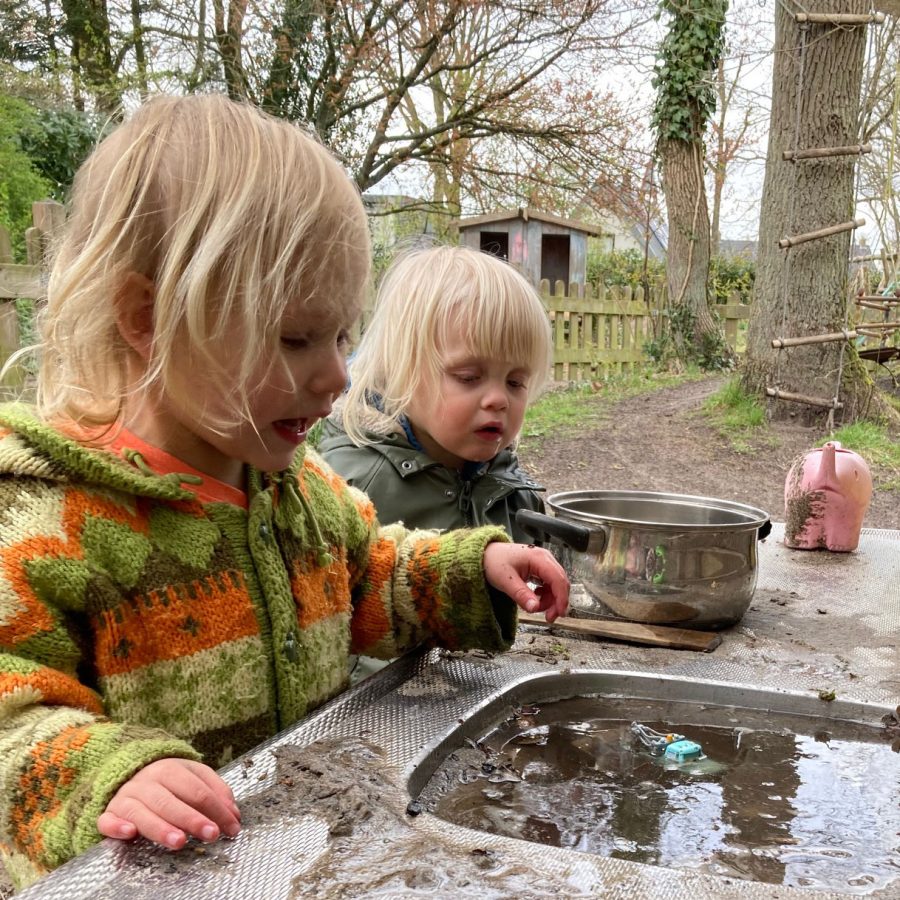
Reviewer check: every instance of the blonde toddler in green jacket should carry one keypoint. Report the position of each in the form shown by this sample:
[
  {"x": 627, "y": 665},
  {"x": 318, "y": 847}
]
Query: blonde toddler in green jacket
[{"x": 179, "y": 577}]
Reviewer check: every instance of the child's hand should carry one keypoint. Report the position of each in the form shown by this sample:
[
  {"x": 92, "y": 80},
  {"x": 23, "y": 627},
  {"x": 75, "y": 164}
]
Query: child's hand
[
  {"x": 169, "y": 800},
  {"x": 507, "y": 567}
]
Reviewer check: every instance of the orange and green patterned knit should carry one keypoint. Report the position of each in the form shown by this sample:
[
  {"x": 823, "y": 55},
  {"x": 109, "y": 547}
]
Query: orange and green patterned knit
[{"x": 137, "y": 622}]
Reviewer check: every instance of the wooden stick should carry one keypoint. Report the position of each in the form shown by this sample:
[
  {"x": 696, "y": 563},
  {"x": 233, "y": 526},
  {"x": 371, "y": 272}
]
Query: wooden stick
[
  {"x": 784, "y": 243},
  {"x": 840, "y": 18},
  {"x": 802, "y": 398},
  {"x": 874, "y": 257},
  {"x": 779, "y": 343},
  {"x": 868, "y": 304},
  {"x": 822, "y": 152},
  {"x": 880, "y": 298},
  {"x": 883, "y": 326},
  {"x": 865, "y": 332},
  {"x": 633, "y": 632}
]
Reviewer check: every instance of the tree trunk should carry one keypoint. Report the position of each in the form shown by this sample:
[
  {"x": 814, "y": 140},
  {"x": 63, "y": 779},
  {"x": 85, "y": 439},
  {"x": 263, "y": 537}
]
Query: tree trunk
[
  {"x": 803, "y": 290},
  {"x": 694, "y": 331},
  {"x": 87, "y": 25}
]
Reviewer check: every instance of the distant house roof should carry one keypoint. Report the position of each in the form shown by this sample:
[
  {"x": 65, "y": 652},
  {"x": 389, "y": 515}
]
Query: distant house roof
[{"x": 526, "y": 213}]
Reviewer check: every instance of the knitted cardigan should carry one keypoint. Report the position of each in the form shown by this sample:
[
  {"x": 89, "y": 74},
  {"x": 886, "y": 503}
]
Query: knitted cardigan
[{"x": 138, "y": 623}]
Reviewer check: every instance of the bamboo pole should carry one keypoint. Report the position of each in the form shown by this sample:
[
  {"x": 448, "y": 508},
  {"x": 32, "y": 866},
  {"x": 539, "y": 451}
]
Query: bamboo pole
[
  {"x": 880, "y": 298},
  {"x": 840, "y": 18},
  {"x": 865, "y": 331},
  {"x": 787, "y": 242},
  {"x": 779, "y": 343},
  {"x": 823, "y": 152},
  {"x": 802, "y": 398}
]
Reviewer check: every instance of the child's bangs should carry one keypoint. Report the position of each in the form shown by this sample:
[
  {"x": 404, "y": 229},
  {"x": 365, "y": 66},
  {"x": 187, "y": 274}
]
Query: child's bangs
[{"x": 503, "y": 322}]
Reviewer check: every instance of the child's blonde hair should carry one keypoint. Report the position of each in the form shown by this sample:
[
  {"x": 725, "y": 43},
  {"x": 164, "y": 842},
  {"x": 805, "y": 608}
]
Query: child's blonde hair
[
  {"x": 430, "y": 301},
  {"x": 231, "y": 214}
]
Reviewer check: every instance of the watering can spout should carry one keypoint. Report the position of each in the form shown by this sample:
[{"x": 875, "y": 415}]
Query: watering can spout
[{"x": 828, "y": 469}]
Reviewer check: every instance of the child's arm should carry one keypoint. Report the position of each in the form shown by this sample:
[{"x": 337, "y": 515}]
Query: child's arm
[{"x": 410, "y": 587}]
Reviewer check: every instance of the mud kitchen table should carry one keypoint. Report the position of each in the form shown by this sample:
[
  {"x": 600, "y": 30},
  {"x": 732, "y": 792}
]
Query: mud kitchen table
[{"x": 819, "y": 622}]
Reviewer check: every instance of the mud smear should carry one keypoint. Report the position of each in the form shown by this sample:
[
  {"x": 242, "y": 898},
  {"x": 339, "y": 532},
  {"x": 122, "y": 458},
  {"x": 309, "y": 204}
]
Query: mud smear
[
  {"x": 783, "y": 800},
  {"x": 374, "y": 847}
]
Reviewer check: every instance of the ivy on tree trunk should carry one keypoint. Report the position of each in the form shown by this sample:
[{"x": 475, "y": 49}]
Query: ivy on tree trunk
[{"x": 685, "y": 84}]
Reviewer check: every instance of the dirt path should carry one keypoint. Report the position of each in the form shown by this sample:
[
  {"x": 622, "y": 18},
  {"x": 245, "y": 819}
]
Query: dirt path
[{"x": 663, "y": 442}]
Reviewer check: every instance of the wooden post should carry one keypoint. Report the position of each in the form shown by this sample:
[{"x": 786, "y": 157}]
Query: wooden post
[
  {"x": 5, "y": 246},
  {"x": 787, "y": 242}
]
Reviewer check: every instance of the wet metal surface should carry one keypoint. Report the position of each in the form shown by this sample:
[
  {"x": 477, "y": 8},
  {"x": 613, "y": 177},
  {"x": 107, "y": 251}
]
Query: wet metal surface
[
  {"x": 819, "y": 625},
  {"x": 784, "y": 799}
]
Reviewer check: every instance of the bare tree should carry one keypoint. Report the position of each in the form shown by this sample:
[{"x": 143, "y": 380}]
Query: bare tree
[
  {"x": 801, "y": 290},
  {"x": 688, "y": 61},
  {"x": 391, "y": 83},
  {"x": 879, "y": 177}
]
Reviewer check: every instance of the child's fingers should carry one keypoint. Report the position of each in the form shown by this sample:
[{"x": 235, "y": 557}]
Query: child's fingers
[
  {"x": 219, "y": 788},
  {"x": 508, "y": 567},
  {"x": 112, "y": 826},
  {"x": 170, "y": 799},
  {"x": 553, "y": 593}
]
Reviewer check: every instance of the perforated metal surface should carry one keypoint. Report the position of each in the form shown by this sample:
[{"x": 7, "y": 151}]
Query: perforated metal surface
[{"x": 818, "y": 621}]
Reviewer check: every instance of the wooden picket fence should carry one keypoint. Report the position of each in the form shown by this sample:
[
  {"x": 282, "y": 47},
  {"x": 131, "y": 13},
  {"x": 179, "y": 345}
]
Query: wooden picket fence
[
  {"x": 595, "y": 334},
  {"x": 600, "y": 333}
]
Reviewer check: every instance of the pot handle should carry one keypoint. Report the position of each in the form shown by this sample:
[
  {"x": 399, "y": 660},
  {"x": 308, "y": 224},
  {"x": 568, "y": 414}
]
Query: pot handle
[
  {"x": 764, "y": 530},
  {"x": 540, "y": 527}
]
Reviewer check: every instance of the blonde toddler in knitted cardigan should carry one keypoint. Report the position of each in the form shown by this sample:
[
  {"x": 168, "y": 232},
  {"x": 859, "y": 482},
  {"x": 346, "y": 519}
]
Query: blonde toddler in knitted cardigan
[{"x": 180, "y": 577}]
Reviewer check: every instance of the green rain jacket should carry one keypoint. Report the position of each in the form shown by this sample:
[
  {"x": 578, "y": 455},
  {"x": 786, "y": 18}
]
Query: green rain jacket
[{"x": 406, "y": 485}]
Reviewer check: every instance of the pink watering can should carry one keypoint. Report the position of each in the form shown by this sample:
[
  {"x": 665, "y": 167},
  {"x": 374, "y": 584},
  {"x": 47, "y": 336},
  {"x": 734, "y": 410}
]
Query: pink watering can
[{"x": 826, "y": 494}]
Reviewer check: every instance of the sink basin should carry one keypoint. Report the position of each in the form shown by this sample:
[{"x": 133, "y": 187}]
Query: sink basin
[{"x": 783, "y": 788}]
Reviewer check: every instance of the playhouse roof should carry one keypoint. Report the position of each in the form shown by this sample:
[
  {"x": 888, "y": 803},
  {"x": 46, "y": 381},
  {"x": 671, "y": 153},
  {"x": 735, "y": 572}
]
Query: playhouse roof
[{"x": 525, "y": 214}]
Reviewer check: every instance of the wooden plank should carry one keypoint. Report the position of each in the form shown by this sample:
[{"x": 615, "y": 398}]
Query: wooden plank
[
  {"x": 630, "y": 632},
  {"x": 21, "y": 281}
]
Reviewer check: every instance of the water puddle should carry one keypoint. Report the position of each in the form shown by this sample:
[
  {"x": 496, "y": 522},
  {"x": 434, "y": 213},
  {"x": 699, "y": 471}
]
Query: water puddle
[{"x": 778, "y": 799}]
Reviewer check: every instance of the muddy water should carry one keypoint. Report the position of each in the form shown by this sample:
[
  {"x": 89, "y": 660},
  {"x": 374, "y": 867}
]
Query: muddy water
[{"x": 792, "y": 801}]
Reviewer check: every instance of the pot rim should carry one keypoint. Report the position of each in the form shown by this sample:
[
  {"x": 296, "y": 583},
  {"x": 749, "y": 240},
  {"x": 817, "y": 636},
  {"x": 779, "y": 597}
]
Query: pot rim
[{"x": 747, "y": 518}]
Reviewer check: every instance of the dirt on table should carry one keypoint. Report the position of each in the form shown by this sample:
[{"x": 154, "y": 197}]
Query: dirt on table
[{"x": 663, "y": 441}]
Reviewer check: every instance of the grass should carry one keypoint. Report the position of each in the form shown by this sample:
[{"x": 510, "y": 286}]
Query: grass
[
  {"x": 579, "y": 406},
  {"x": 876, "y": 446},
  {"x": 737, "y": 416}
]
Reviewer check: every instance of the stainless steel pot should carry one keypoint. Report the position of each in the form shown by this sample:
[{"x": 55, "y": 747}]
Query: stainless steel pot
[{"x": 658, "y": 558}]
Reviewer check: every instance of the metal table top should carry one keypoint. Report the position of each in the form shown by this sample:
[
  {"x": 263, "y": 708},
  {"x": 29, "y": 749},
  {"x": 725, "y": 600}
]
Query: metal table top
[{"x": 818, "y": 621}]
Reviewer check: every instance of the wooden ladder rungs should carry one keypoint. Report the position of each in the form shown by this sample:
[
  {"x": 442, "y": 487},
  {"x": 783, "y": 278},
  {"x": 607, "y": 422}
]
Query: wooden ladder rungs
[
  {"x": 822, "y": 152},
  {"x": 802, "y": 398},
  {"x": 876, "y": 18},
  {"x": 780, "y": 343},
  {"x": 874, "y": 257},
  {"x": 869, "y": 304},
  {"x": 865, "y": 331},
  {"x": 880, "y": 298},
  {"x": 881, "y": 326},
  {"x": 787, "y": 242}
]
